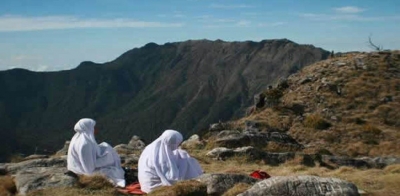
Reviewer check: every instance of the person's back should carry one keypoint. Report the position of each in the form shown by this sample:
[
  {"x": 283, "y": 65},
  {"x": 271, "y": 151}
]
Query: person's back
[
  {"x": 86, "y": 157},
  {"x": 160, "y": 166}
]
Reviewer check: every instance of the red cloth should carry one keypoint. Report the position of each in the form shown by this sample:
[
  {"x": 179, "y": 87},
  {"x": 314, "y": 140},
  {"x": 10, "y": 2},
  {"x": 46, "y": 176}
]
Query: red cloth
[
  {"x": 132, "y": 189},
  {"x": 260, "y": 174}
]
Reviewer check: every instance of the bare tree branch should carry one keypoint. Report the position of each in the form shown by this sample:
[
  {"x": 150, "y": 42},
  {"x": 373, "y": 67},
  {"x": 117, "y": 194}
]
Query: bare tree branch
[{"x": 373, "y": 46}]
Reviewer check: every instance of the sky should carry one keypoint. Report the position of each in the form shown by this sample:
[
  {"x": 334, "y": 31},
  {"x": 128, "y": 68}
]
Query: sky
[{"x": 53, "y": 35}]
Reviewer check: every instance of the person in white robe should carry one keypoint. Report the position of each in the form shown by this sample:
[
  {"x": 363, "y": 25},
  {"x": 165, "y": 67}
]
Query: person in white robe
[
  {"x": 87, "y": 157},
  {"x": 162, "y": 163}
]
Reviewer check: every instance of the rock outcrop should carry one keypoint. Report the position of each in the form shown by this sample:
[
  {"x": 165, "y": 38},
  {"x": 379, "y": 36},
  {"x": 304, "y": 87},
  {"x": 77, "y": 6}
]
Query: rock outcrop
[
  {"x": 217, "y": 184},
  {"x": 39, "y": 174},
  {"x": 301, "y": 186}
]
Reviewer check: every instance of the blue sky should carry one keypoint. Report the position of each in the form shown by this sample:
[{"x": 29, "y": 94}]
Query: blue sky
[{"x": 54, "y": 35}]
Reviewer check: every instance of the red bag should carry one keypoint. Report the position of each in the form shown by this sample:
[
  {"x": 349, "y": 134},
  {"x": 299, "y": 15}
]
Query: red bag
[{"x": 260, "y": 174}]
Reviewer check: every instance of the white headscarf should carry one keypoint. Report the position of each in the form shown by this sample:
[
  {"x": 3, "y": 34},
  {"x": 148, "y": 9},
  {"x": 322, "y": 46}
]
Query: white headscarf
[
  {"x": 158, "y": 164},
  {"x": 85, "y": 156},
  {"x": 83, "y": 148}
]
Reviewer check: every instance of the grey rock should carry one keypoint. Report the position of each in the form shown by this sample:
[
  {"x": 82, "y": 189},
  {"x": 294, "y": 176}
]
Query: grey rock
[
  {"x": 217, "y": 126},
  {"x": 124, "y": 149},
  {"x": 277, "y": 158},
  {"x": 3, "y": 169},
  {"x": 228, "y": 134},
  {"x": 234, "y": 139},
  {"x": 36, "y": 156},
  {"x": 346, "y": 161},
  {"x": 255, "y": 154},
  {"x": 339, "y": 63},
  {"x": 305, "y": 80},
  {"x": 136, "y": 143},
  {"x": 380, "y": 162},
  {"x": 130, "y": 159},
  {"x": 217, "y": 184},
  {"x": 42, "y": 178},
  {"x": 301, "y": 186},
  {"x": 13, "y": 168},
  {"x": 193, "y": 142},
  {"x": 64, "y": 150},
  {"x": 220, "y": 152}
]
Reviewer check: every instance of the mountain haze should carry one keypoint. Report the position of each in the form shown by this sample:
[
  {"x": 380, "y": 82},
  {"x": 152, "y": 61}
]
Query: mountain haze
[{"x": 183, "y": 85}]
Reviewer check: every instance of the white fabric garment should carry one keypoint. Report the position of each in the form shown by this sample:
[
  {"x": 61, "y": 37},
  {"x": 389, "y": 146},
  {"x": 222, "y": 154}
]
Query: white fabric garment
[
  {"x": 159, "y": 166},
  {"x": 85, "y": 156},
  {"x": 188, "y": 167}
]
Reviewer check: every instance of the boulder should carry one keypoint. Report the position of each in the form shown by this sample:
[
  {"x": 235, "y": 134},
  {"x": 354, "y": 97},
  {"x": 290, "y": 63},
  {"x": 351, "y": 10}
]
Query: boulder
[
  {"x": 42, "y": 178},
  {"x": 64, "y": 150},
  {"x": 381, "y": 162},
  {"x": 124, "y": 149},
  {"x": 13, "y": 168},
  {"x": 40, "y": 174},
  {"x": 220, "y": 152},
  {"x": 277, "y": 158},
  {"x": 346, "y": 161},
  {"x": 36, "y": 156},
  {"x": 136, "y": 143},
  {"x": 193, "y": 142},
  {"x": 217, "y": 184},
  {"x": 3, "y": 169},
  {"x": 234, "y": 139},
  {"x": 300, "y": 186}
]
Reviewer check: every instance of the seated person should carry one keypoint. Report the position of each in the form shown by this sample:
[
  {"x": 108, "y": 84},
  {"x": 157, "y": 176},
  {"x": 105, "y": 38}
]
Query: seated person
[
  {"x": 87, "y": 157},
  {"x": 162, "y": 163}
]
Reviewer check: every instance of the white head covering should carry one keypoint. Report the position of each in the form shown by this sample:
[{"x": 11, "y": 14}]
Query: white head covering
[
  {"x": 158, "y": 162},
  {"x": 164, "y": 159},
  {"x": 82, "y": 160},
  {"x": 85, "y": 156}
]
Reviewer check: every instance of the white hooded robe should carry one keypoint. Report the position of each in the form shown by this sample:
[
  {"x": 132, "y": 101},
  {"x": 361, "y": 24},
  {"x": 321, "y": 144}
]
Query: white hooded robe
[
  {"x": 162, "y": 163},
  {"x": 86, "y": 157}
]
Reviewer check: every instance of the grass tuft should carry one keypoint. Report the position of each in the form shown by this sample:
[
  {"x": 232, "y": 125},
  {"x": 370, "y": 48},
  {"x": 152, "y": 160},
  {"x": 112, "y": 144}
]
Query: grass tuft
[
  {"x": 316, "y": 122},
  {"x": 95, "y": 182},
  {"x": 182, "y": 188},
  {"x": 7, "y": 186},
  {"x": 237, "y": 189}
]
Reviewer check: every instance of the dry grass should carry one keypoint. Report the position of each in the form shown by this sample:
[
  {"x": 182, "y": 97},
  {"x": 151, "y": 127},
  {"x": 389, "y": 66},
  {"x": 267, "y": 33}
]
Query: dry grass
[
  {"x": 316, "y": 122},
  {"x": 74, "y": 191},
  {"x": 237, "y": 189},
  {"x": 95, "y": 182},
  {"x": 7, "y": 186},
  {"x": 183, "y": 188},
  {"x": 373, "y": 181}
]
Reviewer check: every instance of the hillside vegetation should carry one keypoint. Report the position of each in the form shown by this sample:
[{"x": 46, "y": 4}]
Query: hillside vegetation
[{"x": 348, "y": 105}]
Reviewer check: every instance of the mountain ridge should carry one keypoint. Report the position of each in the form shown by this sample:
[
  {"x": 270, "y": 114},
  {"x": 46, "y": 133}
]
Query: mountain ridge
[{"x": 180, "y": 85}]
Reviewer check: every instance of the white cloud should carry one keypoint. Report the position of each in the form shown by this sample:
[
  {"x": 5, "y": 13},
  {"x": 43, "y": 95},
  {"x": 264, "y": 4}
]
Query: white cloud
[
  {"x": 243, "y": 23},
  {"x": 238, "y": 6},
  {"x": 42, "y": 68},
  {"x": 273, "y": 24},
  {"x": 22, "y": 57},
  {"x": 21, "y": 23},
  {"x": 347, "y": 17},
  {"x": 349, "y": 10}
]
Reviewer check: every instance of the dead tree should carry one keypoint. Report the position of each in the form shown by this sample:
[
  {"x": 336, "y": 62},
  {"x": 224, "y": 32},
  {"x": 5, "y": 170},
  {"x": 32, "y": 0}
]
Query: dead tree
[{"x": 373, "y": 46}]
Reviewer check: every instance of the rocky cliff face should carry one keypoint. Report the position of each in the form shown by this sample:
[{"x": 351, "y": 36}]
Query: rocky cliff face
[{"x": 183, "y": 86}]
